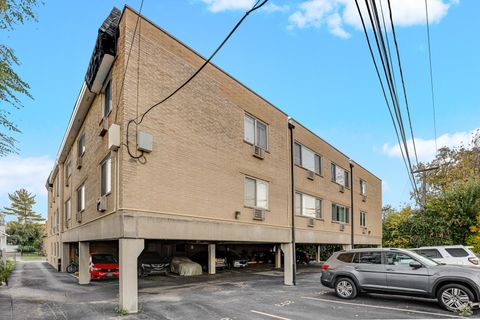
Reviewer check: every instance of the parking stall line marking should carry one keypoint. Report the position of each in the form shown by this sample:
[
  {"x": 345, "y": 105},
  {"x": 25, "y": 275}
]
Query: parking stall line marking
[
  {"x": 269, "y": 315},
  {"x": 381, "y": 307}
]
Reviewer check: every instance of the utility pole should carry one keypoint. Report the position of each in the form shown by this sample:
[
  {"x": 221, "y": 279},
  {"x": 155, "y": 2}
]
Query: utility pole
[
  {"x": 424, "y": 181},
  {"x": 291, "y": 127}
]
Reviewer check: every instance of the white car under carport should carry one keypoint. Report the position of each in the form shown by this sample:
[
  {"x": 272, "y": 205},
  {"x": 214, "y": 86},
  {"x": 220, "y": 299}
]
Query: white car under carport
[{"x": 185, "y": 267}]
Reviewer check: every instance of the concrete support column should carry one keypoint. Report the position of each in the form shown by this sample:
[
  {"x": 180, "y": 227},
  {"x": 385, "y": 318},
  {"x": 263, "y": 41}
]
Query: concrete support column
[
  {"x": 65, "y": 256},
  {"x": 129, "y": 250},
  {"x": 211, "y": 259},
  {"x": 278, "y": 258},
  {"x": 317, "y": 256},
  {"x": 288, "y": 259},
  {"x": 347, "y": 247},
  {"x": 83, "y": 262}
]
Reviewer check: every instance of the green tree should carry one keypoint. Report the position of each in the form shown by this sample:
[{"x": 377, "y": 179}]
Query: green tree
[
  {"x": 22, "y": 203},
  {"x": 25, "y": 235},
  {"x": 12, "y": 13}
]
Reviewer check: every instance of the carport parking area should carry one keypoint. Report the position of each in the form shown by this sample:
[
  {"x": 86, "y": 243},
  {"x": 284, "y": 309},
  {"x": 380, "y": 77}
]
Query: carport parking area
[{"x": 40, "y": 292}]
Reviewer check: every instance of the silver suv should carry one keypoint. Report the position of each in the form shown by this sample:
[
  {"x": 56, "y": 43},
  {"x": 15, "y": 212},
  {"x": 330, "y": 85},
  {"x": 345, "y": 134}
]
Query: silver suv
[{"x": 400, "y": 271}]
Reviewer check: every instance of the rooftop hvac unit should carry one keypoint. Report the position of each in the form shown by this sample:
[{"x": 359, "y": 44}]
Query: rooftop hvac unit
[
  {"x": 103, "y": 127},
  {"x": 258, "y": 214},
  {"x": 102, "y": 204},
  {"x": 311, "y": 175},
  {"x": 258, "y": 152}
]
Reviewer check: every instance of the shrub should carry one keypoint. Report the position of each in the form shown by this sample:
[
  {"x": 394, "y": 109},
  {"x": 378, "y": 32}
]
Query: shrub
[
  {"x": 6, "y": 266},
  {"x": 26, "y": 249}
]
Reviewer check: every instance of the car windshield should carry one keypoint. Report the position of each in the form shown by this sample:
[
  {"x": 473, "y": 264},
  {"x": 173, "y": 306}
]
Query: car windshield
[
  {"x": 424, "y": 260},
  {"x": 104, "y": 259}
]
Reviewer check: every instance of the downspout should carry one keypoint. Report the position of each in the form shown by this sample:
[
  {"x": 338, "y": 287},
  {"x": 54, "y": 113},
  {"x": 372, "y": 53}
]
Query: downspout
[
  {"x": 352, "y": 241},
  {"x": 291, "y": 127}
]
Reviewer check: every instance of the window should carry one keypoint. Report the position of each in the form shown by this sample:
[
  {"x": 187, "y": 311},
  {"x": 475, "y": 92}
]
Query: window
[
  {"x": 107, "y": 104},
  {"x": 345, "y": 257},
  {"x": 57, "y": 220},
  {"x": 308, "y": 206},
  {"x": 363, "y": 187},
  {"x": 340, "y": 213},
  {"x": 363, "y": 219},
  {"x": 307, "y": 158},
  {"x": 398, "y": 259},
  {"x": 57, "y": 186},
  {"x": 81, "y": 198},
  {"x": 256, "y": 193},
  {"x": 106, "y": 177},
  {"x": 68, "y": 210},
  {"x": 369, "y": 257},
  {"x": 81, "y": 145},
  {"x": 457, "y": 252},
  {"x": 340, "y": 175},
  {"x": 68, "y": 170},
  {"x": 256, "y": 132},
  {"x": 429, "y": 253}
]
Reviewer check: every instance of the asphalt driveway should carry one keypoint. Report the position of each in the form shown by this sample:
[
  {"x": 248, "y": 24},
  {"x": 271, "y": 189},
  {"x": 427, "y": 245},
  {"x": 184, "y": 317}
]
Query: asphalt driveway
[{"x": 37, "y": 291}]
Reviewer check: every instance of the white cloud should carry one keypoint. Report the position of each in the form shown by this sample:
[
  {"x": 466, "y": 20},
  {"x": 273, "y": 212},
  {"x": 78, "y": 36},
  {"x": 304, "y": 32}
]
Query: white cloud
[
  {"x": 272, "y": 7},
  {"x": 224, "y": 5},
  {"x": 29, "y": 173},
  {"x": 336, "y": 13},
  {"x": 426, "y": 147}
]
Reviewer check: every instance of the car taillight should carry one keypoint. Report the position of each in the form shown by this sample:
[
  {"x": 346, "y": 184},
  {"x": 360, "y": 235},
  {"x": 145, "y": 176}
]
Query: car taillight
[
  {"x": 325, "y": 266},
  {"x": 473, "y": 260}
]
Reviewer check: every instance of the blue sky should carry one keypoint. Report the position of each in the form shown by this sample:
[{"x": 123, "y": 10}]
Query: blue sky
[{"x": 309, "y": 58}]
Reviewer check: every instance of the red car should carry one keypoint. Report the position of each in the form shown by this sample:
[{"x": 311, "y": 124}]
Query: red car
[{"x": 103, "y": 265}]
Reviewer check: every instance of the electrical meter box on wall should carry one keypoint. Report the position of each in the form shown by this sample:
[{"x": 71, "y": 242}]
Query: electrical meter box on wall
[{"x": 144, "y": 142}]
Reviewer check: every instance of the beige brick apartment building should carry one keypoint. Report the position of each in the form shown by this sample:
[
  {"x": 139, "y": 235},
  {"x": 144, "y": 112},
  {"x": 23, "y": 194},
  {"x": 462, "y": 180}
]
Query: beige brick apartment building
[{"x": 219, "y": 169}]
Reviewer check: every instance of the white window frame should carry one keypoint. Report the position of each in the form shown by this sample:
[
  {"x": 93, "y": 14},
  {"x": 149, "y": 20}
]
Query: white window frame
[
  {"x": 346, "y": 215},
  {"x": 299, "y": 207},
  {"x": 81, "y": 198},
  {"x": 108, "y": 178},
  {"x": 255, "y": 133},
  {"x": 68, "y": 169},
  {"x": 108, "y": 87},
  {"x": 363, "y": 219},
  {"x": 346, "y": 175},
  {"x": 68, "y": 209},
  {"x": 81, "y": 145},
  {"x": 363, "y": 187},
  {"x": 256, "y": 200},
  {"x": 299, "y": 160}
]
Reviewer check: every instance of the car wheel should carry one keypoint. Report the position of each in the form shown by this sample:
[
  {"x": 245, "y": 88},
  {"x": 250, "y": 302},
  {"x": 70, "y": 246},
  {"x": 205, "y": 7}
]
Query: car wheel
[
  {"x": 345, "y": 288},
  {"x": 454, "y": 296}
]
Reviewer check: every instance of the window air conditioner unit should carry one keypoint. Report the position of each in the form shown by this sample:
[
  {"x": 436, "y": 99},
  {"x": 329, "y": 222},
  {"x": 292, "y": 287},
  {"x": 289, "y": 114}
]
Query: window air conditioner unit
[
  {"x": 311, "y": 222},
  {"x": 79, "y": 162},
  {"x": 364, "y": 230},
  {"x": 103, "y": 127},
  {"x": 79, "y": 217},
  {"x": 258, "y": 152},
  {"x": 364, "y": 198},
  {"x": 311, "y": 175},
  {"x": 342, "y": 227},
  {"x": 258, "y": 214},
  {"x": 341, "y": 188},
  {"x": 67, "y": 182},
  {"x": 102, "y": 204}
]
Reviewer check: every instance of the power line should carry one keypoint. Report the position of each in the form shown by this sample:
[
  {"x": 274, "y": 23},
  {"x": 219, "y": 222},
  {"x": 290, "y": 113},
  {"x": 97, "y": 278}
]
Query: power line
[
  {"x": 128, "y": 59},
  {"x": 410, "y": 175},
  {"x": 403, "y": 82},
  {"x": 140, "y": 118},
  {"x": 431, "y": 77}
]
